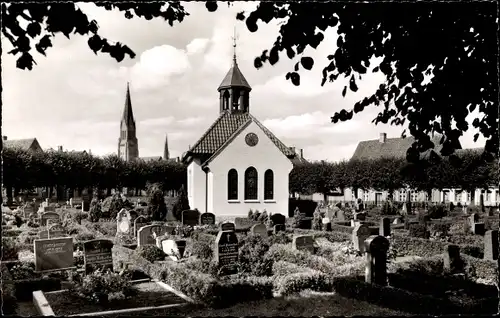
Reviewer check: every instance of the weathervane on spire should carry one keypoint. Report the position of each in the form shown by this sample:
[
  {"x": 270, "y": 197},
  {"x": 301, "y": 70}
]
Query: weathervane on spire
[{"x": 234, "y": 37}]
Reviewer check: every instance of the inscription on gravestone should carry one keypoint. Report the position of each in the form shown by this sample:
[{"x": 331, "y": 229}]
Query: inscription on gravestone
[
  {"x": 53, "y": 254},
  {"x": 226, "y": 252},
  {"x": 52, "y": 216},
  {"x": 97, "y": 254},
  {"x": 207, "y": 218}
]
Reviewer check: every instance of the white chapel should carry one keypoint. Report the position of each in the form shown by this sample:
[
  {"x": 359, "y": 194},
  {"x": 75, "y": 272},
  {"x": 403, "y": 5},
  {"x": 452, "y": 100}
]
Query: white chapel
[{"x": 238, "y": 164}]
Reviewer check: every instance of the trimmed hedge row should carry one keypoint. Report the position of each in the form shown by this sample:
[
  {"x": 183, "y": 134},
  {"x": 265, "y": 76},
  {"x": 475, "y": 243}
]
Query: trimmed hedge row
[
  {"x": 403, "y": 300},
  {"x": 331, "y": 236},
  {"x": 290, "y": 278}
]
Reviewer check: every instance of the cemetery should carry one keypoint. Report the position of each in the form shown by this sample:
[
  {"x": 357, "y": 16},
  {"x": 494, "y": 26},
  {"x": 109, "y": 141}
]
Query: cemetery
[{"x": 436, "y": 259}]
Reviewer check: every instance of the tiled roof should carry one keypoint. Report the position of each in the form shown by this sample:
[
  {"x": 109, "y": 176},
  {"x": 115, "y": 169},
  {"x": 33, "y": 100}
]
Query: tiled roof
[
  {"x": 24, "y": 144},
  {"x": 152, "y": 158},
  {"x": 223, "y": 129},
  {"x": 234, "y": 78},
  {"x": 392, "y": 147}
]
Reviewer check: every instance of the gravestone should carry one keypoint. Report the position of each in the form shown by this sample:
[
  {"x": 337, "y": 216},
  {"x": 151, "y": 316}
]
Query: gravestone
[
  {"x": 53, "y": 254},
  {"x": 385, "y": 227},
  {"x": 491, "y": 211},
  {"x": 85, "y": 202},
  {"x": 244, "y": 223},
  {"x": 190, "y": 217},
  {"x": 259, "y": 229},
  {"x": 303, "y": 242},
  {"x": 279, "y": 228},
  {"x": 174, "y": 248},
  {"x": 327, "y": 224},
  {"x": 147, "y": 235},
  {"x": 474, "y": 218},
  {"x": 52, "y": 216},
  {"x": 278, "y": 218},
  {"x": 29, "y": 209},
  {"x": 51, "y": 208},
  {"x": 207, "y": 218},
  {"x": 227, "y": 226},
  {"x": 478, "y": 228},
  {"x": 359, "y": 234},
  {"x": 97, "y": 254},
  {"x": 226, "y": 252},
  {"x": 71, "y": 202},
  {"x": 123, "y": 222},
  {"x": 397, "y": 221},
  {"x": 340, "y": 216},
  {"x": 360, "y": 216},
  {"x": 491, "y": 245},
  {"x": 376, "y": 247},
  {"x": 452, "y": 260},
  {"x": 53, "y": 231},
  {"x": 139, "y": 222}
]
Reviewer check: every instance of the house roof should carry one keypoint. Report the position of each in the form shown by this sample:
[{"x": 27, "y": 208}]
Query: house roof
[
  {"x": 234, "y": 77},
  {"x": 152, "y": 158},
  {"x": 392, "y": 147},
  {"x": 225, "y": 127},
  {"x": 24, "y": 144}
]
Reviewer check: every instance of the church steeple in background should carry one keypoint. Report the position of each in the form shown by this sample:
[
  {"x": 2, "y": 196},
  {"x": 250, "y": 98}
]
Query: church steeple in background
[
  {"x": 166, "y": 153},
  {"x": 128, "y": 148},
  {"x": 234, "y": 91}
]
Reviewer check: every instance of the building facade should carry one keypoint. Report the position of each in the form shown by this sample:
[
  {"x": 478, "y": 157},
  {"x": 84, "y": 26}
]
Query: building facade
[{"x": 238, "y": 164}]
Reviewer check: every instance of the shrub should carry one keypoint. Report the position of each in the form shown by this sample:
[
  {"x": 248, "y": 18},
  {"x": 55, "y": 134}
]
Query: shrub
[
  {"x": 296, "y": 282},
  {"x": 201, "y": 246},
  {"x": 151, "y": 253},
  {"x": 250, "y": 214},
  {"x": 23, "y": 270},
  {"x": 183, "y": 231},
  {"x": 316, "y": 223},
  {"x": 10, "y": 249},
  {"x": 440, "y": 230},
  {"x": 157, "y": 208},
  {"x": 79, "y": 216},
  {"x": 252, "y": 249},
  {"x": 460, "y": 228},
  {"x": 115, "y": 205},
  {"x": 298, "y": 219},
  {"x": 95, "y": 211},
  {"x": 280, "y": 238},
  {"x": 181, "y": 204},
  {"x": 33, "y": 224},
  {"x": 306, "y": 206},
  {"x": 100, "y": 287},
  {"x": 437, "y": 211},
  {"x": 256, "y": 215},
  {"x": 388, "y": 208},
  {"x": 263, "y": 217},
  {"x": 419, "y": 230}
]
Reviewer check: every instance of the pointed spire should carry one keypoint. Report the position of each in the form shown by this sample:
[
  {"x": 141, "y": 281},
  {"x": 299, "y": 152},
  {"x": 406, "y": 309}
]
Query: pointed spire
[
  {"x": 234, "y": 45},
  {"x": 128, "y": 115},
  {"x": 234, "y": 77},
  {"x": 166, "y": 153}
]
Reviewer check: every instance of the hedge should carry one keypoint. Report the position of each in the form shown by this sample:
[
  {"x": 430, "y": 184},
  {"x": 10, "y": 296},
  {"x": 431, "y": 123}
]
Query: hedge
[
  {"x": 485, "y": 269},
  {"x": 331, "y": 236},
  {"x": 406, "y": 301}
]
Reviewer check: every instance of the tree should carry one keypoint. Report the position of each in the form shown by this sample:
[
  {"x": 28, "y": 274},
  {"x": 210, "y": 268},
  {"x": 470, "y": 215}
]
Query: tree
[
  {"x": 385, "y": 174},
  {"x": 157, "y": 209},
  {"x": 301, "y": 179},
  {"x": 454, "y": 42},
  {"x": 182, "y": 204}
]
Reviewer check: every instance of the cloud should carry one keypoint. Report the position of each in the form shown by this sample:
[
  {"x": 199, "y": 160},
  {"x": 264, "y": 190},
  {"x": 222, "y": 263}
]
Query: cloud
[
  {"x": 157, "y": 121},
  {"x": 197, "y": 46}
]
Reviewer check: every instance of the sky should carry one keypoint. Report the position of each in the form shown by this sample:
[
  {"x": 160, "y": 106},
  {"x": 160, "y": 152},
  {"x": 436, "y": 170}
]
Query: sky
[{"x": 75, "y": 98}]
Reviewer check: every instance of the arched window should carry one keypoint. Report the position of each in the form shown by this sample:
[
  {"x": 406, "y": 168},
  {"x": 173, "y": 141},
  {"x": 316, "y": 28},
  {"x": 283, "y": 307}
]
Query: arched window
[
  {"x": 269, "y": 185},
  {"x": 251, "y": 184},
  {"x": 232, "y": 185},
  {"x": 225, "y": 102}
]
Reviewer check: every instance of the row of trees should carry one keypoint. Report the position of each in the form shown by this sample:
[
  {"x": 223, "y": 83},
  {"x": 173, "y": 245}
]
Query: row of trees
[
  {"x": 25, "y": 170},
  {"x": 469, "y": 171}
]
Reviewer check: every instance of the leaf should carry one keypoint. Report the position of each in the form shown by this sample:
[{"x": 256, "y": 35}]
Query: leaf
[
  {"x": 375, "y": 69},
  {"x": 33, "y": 29},
  {"x": 352, "y": 84},
  {"x": 290, "y": 53},
  {"x": 257, "y": 62},
  {"x": 251, "y": 23},
  {"x": 25, "y": 61},
  {"x": 296, "y": 67},
  {"x": 95, "y": 43},
  {"x": 273, "y": 56},
  {"x": 295, "y": 77},
  {"x": 211, "y": 6},
  {"x": 344, "y": 91},
  {"x": 240, "y": 16},
  {"x": 307, "y": 62}
]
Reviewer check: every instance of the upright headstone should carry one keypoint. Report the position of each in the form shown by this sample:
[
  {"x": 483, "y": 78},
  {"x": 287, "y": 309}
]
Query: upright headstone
[
  {"x": 304, "y": 242},
  {"x": 327, "y": 224},
  {"x": 97, "y": 254},
  {"x": 397, "y": 221},
  {"x": 376, "y": 247},
  {"x": 279, "y": 228},
  {"x": 452, "y": 260},
  {"x": 385, "y": 227},
  {"x": 259, "y": 229},
  {"x": 53, "y": 254},
  {"x": 278, "y": 218},
  {"x": 139, "y": 222},
  {"x": 52, "y": 216},
  {"x": 123, "y": 222},
  {"x": 207, "y": 218},
  {"x": 340, "y": 216},
  {"x": 491, "y": 245},
  {"x": 227, "y": 226},
  {"x": 53, "y": 231},
  {"x": 190, "y": 217},
  {"x": 361, "y": 216},
  {"x": 50, "y": 208},
  {"x": 71, "y": 202},
  {"x": 85, "y": 202},
  {"x": 226, "y": 252},
  {"x": 147, "y": 235},
  {"x": 478, "y": 228},
  {"x": 473, "y": 218},
  {"x": 360, "y": 233}
]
